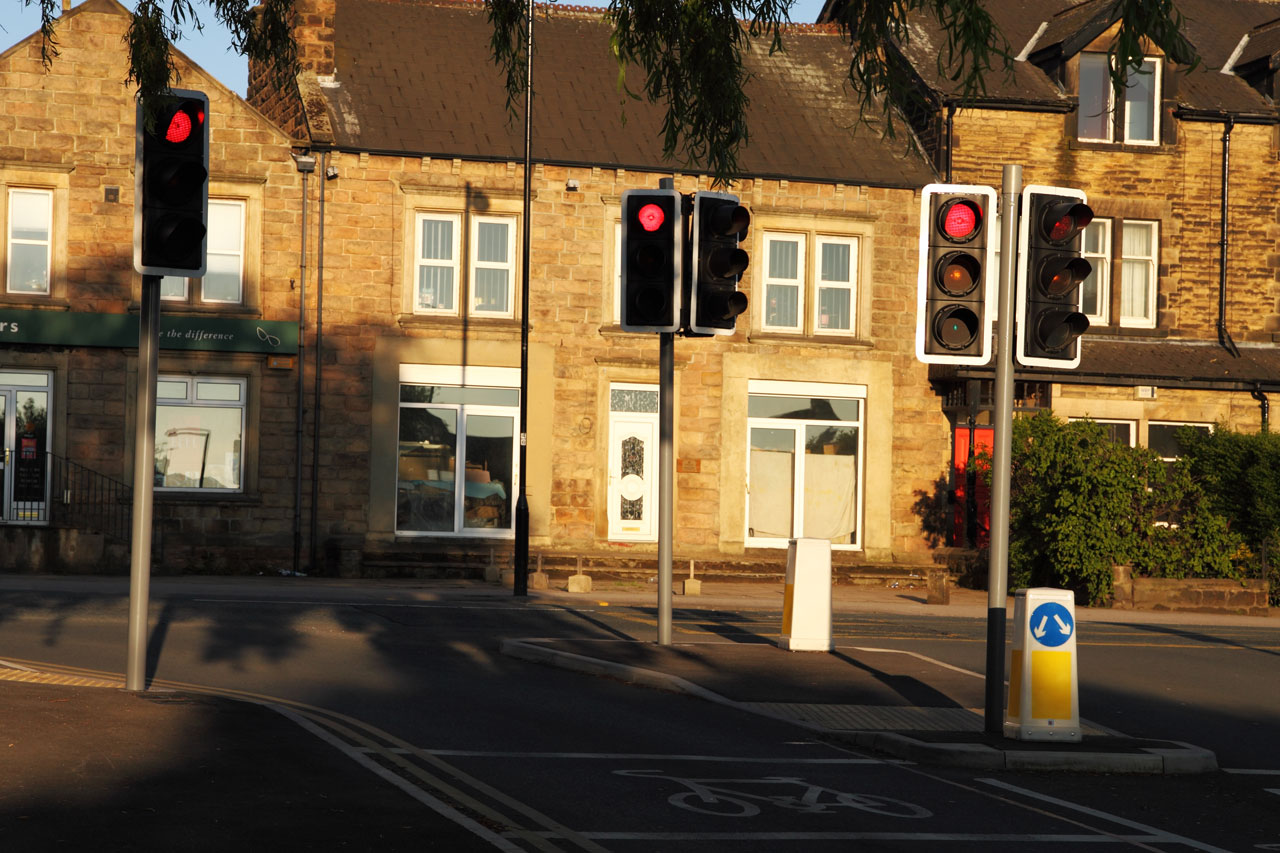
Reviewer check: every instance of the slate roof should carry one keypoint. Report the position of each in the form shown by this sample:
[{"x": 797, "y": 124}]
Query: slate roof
[
  {"x": 1050, "y": 31},
  {"x": 1186, "y": 364},
  {"x": 417, "y": 77}
]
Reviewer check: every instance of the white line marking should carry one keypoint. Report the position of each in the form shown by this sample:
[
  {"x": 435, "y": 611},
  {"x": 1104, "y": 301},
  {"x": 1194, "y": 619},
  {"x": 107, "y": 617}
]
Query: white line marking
[
  {"x": 409, "y": 788},
  {"x": 382, "y": 604},
  {"x": 869, "y": 836},
  {"x": 627, "y": 756},
  {"x": 1161, "y": 835},
  {"x": 1248, "y": 771},
  {"x": 1275, "y": 791},
  {"x": 12, "y": 665},
  {"x": 925, "y": 658}
]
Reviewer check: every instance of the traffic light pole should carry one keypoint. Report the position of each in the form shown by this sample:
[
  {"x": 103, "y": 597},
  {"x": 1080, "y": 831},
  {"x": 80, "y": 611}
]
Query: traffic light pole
[
  {"x": 666, "y": 476},
  {"x": 998, "y": 565},
  {"x": 144, "y": 443}
]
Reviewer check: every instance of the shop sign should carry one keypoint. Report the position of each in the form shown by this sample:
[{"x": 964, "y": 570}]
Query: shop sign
[{"x": 177, "y": 332}]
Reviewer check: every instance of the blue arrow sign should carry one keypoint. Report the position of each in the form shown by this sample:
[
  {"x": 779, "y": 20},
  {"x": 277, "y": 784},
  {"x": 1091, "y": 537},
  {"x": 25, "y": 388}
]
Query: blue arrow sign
[{"x": 1051, "y": 624}]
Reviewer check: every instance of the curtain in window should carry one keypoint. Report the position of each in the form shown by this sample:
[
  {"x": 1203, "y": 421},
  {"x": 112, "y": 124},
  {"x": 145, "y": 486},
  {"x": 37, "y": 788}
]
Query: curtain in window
[
  {"x": 492, "y": 283},
  {"x": 30, "y": 223},
  {"x": 783, "y": 300},
  {"x": 1136, "y": 272}
]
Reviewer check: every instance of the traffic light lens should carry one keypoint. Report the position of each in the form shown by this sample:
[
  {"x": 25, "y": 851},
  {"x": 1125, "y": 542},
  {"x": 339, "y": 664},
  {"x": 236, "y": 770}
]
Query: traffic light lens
[
  {"x": 649, "y": 259},
  {"x": 179, "y": 129},
  {"x": 1062, "y": 229},
  {"x": 651, "y": 217},
  {"x": 961, "y": 220},
  {"x": 958, "y": 274},
  {"x": 956, "y": 327}
]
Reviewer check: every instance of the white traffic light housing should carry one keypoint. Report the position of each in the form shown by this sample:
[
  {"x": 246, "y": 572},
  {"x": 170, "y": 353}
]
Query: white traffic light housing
[
  {"x": 720, "y": 223},
  {"x": 652, "y": 250},
  {"x": 171, "y": 185},
  {"x": 1050, "y": 272},
  {"x": 956, "y": 284}
]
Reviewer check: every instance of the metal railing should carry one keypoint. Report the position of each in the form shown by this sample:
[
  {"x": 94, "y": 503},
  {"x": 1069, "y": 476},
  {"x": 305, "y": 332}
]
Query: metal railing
[{"x": 71, "y": 495}]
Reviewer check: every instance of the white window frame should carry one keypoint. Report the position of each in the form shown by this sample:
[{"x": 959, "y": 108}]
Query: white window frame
[
  {"x": 617, "y": 272},
  {"x": 850, "y": 286},
  {"x": 1151, "y": 263},
  {"x": 237, "y": 252},
  {"x": 783, "y": 388},
  {"x": 1128, "y": 107},
  {"x": 193, "y": 400},
  {"x": 11, "y": 240},
  {"x": 453, "y": 262},
  {"x": 509, "y": 266},
  {"x": 1101, "y": 262},
  {"x": 767, "y": 281},
  {"x": 506, "y": 378},
  {"x": 1197, "y": 424},
  {"x": 1132, "y": 424}
]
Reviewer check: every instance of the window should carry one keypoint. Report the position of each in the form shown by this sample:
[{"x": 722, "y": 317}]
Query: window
[
  {"x": 491, "y": 271},
  {"x": 804, "y": 468},
  {"x": 437, "y": 241},
  {"x": 493, "y": 248},
  {"x": 1121, "y": 432},
  {"x": 223, "y": 281},
  {"x": 30, "y": 242},
  {"x": 837, "y": 272},
  {"x": 200, "y": 424},
  {"x": 1095, "y": 292},
  {"x": 1139, "y": 241},
  {"x": 455, "y": 463},
  {"x": 783, "y": 282},
  {"x": 1162, "y": 437},
  {"x": 1136, "y": 121}
]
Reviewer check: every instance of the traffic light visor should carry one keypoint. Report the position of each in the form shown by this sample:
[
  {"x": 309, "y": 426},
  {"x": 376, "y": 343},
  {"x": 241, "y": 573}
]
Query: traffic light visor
[
  {"x": 651, "y": 217},
  {"x": 960, "y": 220},
  {"x": 1064, "y": 220}
]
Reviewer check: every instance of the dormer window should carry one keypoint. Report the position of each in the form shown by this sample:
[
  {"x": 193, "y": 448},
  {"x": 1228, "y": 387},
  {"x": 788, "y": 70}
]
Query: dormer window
[{"x": 1136, "y": 121}]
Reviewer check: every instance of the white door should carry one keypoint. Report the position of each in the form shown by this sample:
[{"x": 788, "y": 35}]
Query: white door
[{"x": 633, "y": 475}]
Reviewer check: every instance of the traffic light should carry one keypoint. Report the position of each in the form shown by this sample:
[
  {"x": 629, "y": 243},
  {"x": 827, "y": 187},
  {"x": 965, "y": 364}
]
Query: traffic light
[
  {"x": 171, "y": 185},
  {"x": 957, "y": 273},
  {"x": 652, "y": 249},
  {"x": 719, "y": 224},
  {"x": 1050, "y": 272}
]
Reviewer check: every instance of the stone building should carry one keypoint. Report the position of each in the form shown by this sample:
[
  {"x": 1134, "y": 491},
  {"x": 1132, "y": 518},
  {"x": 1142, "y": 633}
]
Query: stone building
[
  {"x": 1180, "y": 170},
  {"x": 69, "y": 329},
  {"x": 812, "y": 419}
]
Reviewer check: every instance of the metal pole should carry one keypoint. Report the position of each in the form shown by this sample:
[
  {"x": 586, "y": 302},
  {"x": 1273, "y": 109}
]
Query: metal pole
[
  {"x": 998, "y": 567},
  {"x": 144, "y": 466},
  {"x": 306, "y": 165},
  {"x": 666, "y": 478},
  {"x": 521, "y": 580},
  {"x": 319, "y": 359}
]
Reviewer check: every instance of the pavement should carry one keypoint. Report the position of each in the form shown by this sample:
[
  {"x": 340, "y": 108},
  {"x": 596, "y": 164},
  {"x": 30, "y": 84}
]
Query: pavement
[{"x": 124, "y": 765}]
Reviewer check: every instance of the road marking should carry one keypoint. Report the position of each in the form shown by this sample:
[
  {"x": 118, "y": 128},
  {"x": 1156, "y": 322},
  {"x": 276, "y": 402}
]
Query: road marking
[
  {"x": 627, "y": 756},
  {"x": 436, "y": 805},
  {"x": 417, "y": 605},
  {"x": 925, "y": 658},
  {"x": 1246, "y": 771},
  {"x": 1158, "y": 835},
  {"x": 961, "y": 837}
]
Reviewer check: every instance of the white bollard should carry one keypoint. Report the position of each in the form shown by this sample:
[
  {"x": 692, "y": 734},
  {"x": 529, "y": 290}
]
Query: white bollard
[
  {"x": 806, "y": 607},
  {"x": 1044, "y": 700}
]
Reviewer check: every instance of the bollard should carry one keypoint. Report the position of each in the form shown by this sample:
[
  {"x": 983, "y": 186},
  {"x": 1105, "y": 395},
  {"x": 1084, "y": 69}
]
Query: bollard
[
  {"x": 806, "y": 607},
  {"x": 1044, "y": 701}
]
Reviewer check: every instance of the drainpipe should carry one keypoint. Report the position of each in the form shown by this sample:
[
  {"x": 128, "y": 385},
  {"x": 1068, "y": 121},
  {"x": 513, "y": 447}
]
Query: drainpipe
[
  {"x": 1224, "y": 337},
  {"x": 951, "y": 129},
  {"x": 1263, "y": 404},
  {"x": 306, "y": 165},
  {"x": 315, "y": 436}
]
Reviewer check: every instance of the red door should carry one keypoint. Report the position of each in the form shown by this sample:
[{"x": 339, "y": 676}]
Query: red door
[{"x": 983, "y": 440}]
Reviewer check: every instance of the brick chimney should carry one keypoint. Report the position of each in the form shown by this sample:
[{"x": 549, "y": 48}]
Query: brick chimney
[{"x": 314, "y": 34}]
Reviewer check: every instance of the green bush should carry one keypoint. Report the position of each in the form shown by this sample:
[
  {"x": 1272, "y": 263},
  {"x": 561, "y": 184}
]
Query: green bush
[{"x": 1081, "y": 503}]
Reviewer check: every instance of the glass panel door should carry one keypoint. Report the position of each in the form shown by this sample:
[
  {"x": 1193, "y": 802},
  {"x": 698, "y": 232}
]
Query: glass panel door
[{"x": 24, "y": 424}]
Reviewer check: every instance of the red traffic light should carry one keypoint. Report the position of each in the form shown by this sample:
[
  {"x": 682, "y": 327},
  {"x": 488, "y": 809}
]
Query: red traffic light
[
  {"x": 960, "y": 220},
  {"x": 1064, "y": 220},
  {"x": 651, "y": 217}
]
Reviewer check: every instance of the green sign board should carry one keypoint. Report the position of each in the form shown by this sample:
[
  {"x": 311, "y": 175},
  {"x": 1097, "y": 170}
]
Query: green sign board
[{"x": 82, "y": 329}]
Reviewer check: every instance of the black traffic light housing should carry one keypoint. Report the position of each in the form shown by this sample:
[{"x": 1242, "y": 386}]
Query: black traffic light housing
[
  {"x": 1050, "y": 272},
  {"x": 652, "y": 255},
  {"x": 955, "y": 288},
  {"x": 171, "y": 185},
  {"x": 720, "y": 223}
]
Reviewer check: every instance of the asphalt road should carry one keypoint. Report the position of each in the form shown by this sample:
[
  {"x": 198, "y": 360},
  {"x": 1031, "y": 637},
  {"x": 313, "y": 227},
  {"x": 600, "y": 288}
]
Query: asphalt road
[{"x": 581, "y": 763}]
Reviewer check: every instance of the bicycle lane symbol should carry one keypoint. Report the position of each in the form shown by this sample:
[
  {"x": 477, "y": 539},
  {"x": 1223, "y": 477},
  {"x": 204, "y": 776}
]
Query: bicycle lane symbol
[{"x": 713, "y": 797}]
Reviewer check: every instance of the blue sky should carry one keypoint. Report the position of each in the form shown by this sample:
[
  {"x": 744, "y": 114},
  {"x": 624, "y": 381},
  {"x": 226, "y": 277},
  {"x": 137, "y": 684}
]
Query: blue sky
[{"x": 211, "y": 49}]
